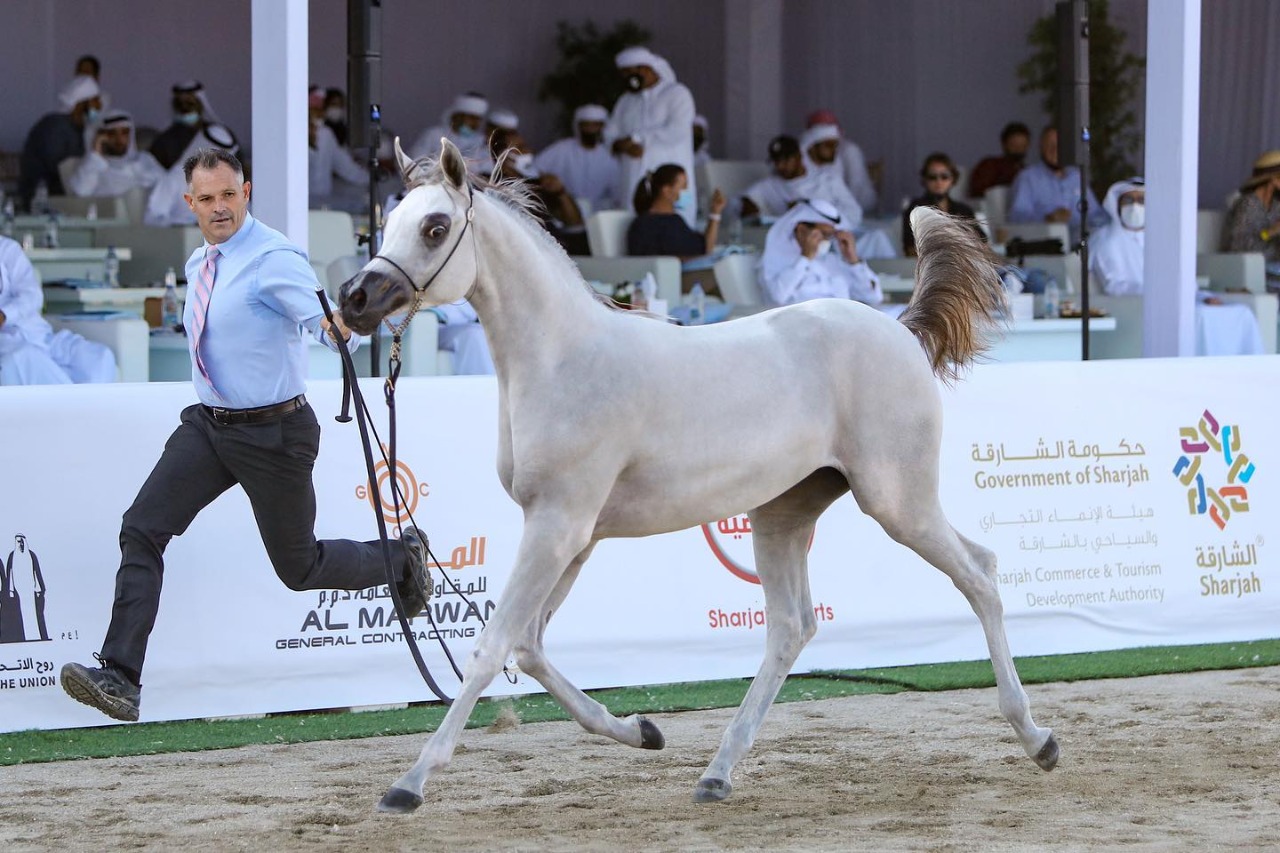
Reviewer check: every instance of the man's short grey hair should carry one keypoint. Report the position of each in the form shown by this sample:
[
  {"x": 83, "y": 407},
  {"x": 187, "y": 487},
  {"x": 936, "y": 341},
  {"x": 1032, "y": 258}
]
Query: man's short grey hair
[{"x": 210, "y": 158}]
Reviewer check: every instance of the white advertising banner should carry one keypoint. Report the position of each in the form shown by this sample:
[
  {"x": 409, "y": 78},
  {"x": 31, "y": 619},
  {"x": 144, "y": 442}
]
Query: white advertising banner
[{"x": 1129, "y": 504}]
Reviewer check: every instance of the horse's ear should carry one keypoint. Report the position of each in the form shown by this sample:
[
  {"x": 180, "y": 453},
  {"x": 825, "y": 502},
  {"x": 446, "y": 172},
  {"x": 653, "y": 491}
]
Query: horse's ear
[
  {"x": 406, "y": 165},
  {"x": 452, "y": 163}
]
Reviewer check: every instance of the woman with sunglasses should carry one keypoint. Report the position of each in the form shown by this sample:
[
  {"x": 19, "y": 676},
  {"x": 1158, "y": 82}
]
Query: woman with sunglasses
[{"x": 938, "y": 177}]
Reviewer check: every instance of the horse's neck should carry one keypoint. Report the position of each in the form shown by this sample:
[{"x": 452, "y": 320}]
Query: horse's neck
[{"x": 526, "y": 297}]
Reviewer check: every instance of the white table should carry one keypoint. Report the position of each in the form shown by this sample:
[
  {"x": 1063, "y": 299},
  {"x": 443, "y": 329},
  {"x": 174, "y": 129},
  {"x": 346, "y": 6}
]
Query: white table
[
  {"x": 82, "y": 262},
  {"x": 1045, "y": 340},
  {"x": 72, "y": 300},
  {"x": 171, "y": 359}
]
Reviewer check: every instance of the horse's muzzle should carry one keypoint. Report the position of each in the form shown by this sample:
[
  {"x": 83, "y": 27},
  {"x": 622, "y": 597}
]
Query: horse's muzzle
[{"x": 368, "y": 297}]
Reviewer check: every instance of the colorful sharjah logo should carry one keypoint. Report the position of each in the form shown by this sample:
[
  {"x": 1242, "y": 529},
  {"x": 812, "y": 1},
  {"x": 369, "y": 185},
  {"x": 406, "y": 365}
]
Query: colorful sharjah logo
[
  {"x": 730, "y": 541},
  {"x": 1198, "y": 469},
  {"x": 381, "y": 497}
]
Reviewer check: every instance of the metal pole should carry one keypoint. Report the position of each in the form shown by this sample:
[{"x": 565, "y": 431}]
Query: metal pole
[{"x": 375, "y": 217}]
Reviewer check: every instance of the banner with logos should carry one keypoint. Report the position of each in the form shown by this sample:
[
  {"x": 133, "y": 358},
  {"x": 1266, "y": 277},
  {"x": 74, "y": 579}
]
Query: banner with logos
[{"x": 1129, "y": 503}]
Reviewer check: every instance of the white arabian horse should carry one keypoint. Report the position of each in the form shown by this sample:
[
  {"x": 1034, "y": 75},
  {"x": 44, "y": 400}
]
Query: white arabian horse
[{"x": 615, "y": 424}]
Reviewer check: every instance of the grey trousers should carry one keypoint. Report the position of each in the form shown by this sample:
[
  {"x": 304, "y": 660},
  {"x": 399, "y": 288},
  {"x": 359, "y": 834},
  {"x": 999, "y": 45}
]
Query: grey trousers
[{"x": 272, "y": 462}]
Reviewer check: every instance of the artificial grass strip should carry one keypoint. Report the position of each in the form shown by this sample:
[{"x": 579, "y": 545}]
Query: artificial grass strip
[{"x": 194, "y": 735}]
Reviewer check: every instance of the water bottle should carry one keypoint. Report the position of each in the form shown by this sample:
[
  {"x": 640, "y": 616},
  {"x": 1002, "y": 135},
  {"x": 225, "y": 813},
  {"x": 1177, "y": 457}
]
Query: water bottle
[
  {"x": 697, "y": 305},
  {"x": 169, "y": 318},
  {"x": 40, "y": 201},
  {"x": 111, "y": 268},
  {"x": 51, "y": 230},
  {"x": 1052, "y": 299}
]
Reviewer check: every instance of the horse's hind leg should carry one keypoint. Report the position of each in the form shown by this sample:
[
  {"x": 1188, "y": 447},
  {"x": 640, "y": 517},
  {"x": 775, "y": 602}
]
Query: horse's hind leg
[
  {"x": 590, "y": 714},
  {"x": 549, "y": 543},
  {"x": 895, "y": 500}
]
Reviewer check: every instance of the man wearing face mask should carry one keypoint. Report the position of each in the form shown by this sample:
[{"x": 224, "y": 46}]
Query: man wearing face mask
[
  {"x": 652, "y": 123},
  {"x": 192, "y": 113},
  {"x": 582, "y": 161},
  {"x": 113, "y": 164},
  {"x": 1001, "y": 171},
  {"x": 560, "y": 213},
  {"x": 1049, "y": 192},
  {"x": 810, "y": 253},
  {"x": 327, "y": 160},
  {"x": 463, "y": 125},
  {"x": 335, "y": 114},
  {"x": 56, "y": 137},
  {"x": 1116, "y": 253}
]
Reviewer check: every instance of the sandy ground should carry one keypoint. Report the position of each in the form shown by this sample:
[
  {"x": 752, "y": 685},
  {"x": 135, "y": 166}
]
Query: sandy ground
[{"x": 1185, "y": 762}]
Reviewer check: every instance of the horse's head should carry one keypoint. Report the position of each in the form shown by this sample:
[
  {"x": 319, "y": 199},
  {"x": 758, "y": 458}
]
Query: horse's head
[{"x": 420, "y": 258}]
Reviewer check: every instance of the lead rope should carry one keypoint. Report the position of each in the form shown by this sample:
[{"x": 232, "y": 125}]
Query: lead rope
[{"x": 392, "y": 581}]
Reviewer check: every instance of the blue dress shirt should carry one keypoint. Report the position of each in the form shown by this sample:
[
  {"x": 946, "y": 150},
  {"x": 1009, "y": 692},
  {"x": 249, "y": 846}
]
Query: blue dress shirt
[
  {"x": 264, "y": 295},
  {"x": 1038, "y": 191}
]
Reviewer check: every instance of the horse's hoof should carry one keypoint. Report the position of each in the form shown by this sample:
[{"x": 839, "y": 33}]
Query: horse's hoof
[
  {"x": 399, "y": 801},
  {"x": 711, "y": 790},
  {"x": 1047, "y": 757},
  {"x": 650, "y": 736}
]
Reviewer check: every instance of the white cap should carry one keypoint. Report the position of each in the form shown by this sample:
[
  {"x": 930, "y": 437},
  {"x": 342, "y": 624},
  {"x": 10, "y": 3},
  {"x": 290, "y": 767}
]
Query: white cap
[
  {"x": 590, "y": 112},
  {"x": 504, "y": 118},
  {"x": 116, "y": 118},
  {"x": 818, "y": 133},
  {"x": 472, "y": 105},
  {"x": 700, "y": 121},
  {"x": 635, "y": 56},
  {"x": 81, "y": 88}
]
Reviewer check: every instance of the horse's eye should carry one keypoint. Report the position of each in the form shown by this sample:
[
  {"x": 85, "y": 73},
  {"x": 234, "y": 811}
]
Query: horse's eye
[{"x": 436, "y": 232}]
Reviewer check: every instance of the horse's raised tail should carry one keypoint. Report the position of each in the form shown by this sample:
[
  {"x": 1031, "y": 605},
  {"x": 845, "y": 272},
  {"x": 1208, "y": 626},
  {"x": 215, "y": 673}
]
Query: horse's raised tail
[{"x": 959, "y": 300}]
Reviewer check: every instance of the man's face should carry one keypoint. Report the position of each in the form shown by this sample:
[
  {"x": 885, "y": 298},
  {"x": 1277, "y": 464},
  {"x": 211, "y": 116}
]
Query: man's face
[
  {"x": 115, "y": 141},
  {"x": 219, "y": 199},
  {"x": 460, "y": 120},
  {"x": 1016, "y": 144},
  {"x": 187, "y": 102},
  {"x": 699, "y": 136},
  {"x": 824, "y": 152},
  {"x": 789, "y": 167},
  {"x": 638, "y": 77},
  {"x": 81, "y": 109},
  {"x": 589, "y": 132},
  {"x": 1049, "y": 148}
]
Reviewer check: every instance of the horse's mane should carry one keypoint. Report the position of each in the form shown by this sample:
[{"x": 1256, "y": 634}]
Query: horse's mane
[{"x": 518, "y": 197}]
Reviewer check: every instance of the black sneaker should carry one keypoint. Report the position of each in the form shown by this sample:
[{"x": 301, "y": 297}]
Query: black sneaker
[
  {"x": 106, "y": 688},
  {"x": 415, "y": 588}
]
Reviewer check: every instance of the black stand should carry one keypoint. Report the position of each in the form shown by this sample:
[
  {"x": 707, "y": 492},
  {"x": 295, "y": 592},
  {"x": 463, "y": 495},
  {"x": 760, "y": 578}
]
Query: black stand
[{"x": 375, "y": 220}]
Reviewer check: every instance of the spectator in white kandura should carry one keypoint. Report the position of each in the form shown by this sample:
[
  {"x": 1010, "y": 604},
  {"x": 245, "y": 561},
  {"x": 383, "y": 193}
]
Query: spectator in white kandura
[
  {"x": 583, "y": 161},
  {"x": 31, "y": 352},
  {"x": 652, "y": 123},
  {"x": 1116, "y": 253},
  {"x": 810, "y": 253},
  {"x": 327, "y": 160},
  {"x": 463, "y": 125},
  {"x": 112, "y": 164},
  {"x": 850, "y": 160}
]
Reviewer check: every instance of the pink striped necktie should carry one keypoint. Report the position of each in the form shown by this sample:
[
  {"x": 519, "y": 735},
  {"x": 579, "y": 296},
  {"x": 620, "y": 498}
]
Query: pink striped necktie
[{"x": 203, "y": 293}]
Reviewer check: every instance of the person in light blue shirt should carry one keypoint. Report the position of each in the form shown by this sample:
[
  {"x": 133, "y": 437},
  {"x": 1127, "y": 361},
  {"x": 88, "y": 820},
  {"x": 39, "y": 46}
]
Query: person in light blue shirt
[
  {"x": 1049, "y": 192},
  {"x": 251, "y": 295}
]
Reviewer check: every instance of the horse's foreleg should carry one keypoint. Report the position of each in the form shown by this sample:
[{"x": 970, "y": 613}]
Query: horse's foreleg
[
  {"x": 546, "y": 547},
  {"x": 590, "y": 714},
  {"x": 593, "y": 716},
  {"x": 781, "y": 563}
]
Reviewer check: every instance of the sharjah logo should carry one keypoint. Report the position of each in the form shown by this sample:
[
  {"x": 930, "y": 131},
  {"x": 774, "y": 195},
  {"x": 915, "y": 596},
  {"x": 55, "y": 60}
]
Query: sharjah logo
[
  {"x": 1202, "y": 445},
  {"x": 380, "y": 496},
  {"x": 22, "y": 596},
  {"x": 730, "y": 541}
]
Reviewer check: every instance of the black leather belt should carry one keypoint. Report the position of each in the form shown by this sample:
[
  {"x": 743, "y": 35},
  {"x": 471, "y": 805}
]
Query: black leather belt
[{"x": 258, "y": 415}]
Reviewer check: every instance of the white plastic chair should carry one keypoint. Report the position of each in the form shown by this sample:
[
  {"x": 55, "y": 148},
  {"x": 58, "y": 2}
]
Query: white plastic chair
[
  {"x": 331, "y": 234},
  {"x": 733, "y": 177},
  {"x": 1209, "y": 230},
  {"x": 607, "y": 232}
]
